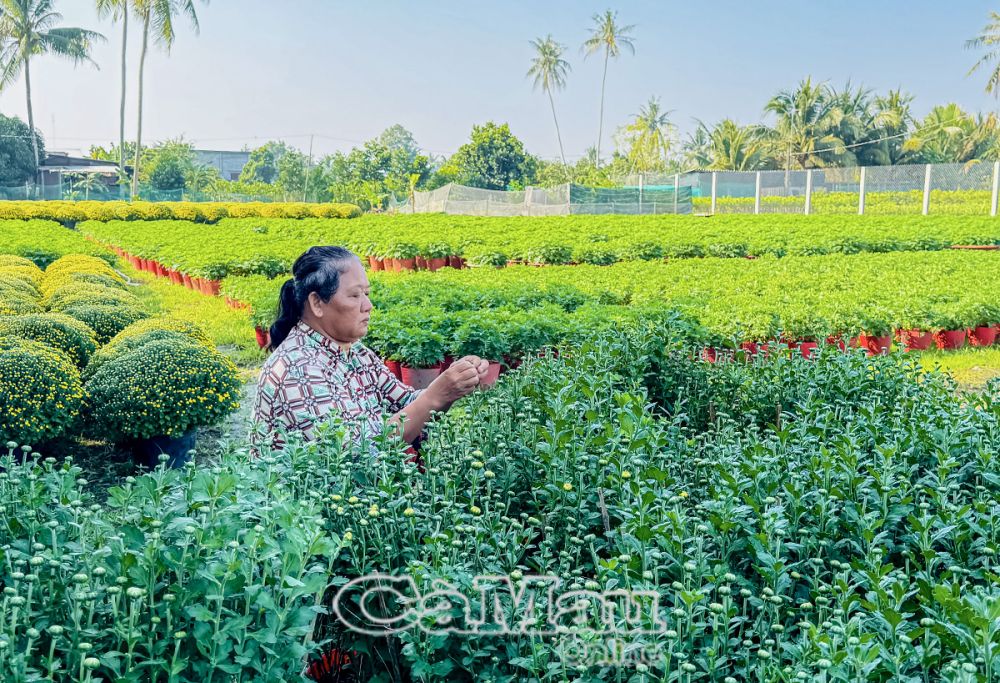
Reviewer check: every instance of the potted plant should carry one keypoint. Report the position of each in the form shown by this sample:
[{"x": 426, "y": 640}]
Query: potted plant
[
  {"x": 875, "y": 335},
  {"x": 437, "y": 255},
  {"x": 951, "y": 333},
  {"x": 151, "y": 396},
  {"x": 404, "y": 255},
  {"x": 484, "y": 337},
  {"x": 982, "y": 332},
  {"x": 914, "y": 332},
  {"x": 421, "y": 354}
]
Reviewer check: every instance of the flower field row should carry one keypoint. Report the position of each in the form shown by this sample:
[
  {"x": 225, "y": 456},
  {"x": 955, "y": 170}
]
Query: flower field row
[
  {"x": 729, "y": 300},
  {"x": 966, "y": 203},
  {"x": 833, "y": 520},
  {"x": 42, "y": 242},
  {"x": 268, "y": 247},
  {"x": 72, "y": 212},
  {"x": 79, "y": 354}
]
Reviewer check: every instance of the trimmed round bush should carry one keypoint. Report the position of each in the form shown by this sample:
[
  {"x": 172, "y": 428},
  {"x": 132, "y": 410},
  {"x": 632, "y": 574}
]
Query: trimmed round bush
[
  {"x": 14, "y": 304},
  {"x": 106, "y": 321},
  {"x": 12, "y": 284},
  {"x": 163, "y": 322},
  {"x": 31, "y": 274},
  {"x": 14, "y": 260},
  {"x": 90, "y": 294},
  {"x": 49, "y": 285},
  {"x": 163, "y": 387},
  {"x": 80, "y": 263},
  {"x": 40, "y": 392},
  {"x": 58, "y": 330},
  {"x": 124, "y": 342}
]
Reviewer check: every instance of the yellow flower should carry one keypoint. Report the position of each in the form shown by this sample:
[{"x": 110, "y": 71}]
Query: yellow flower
[{"x": 567, "y": 486}]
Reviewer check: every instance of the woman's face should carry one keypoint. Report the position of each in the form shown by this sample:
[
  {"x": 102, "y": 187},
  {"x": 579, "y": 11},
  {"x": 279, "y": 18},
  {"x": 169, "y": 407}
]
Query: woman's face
[{"x": 344, "y": 317}]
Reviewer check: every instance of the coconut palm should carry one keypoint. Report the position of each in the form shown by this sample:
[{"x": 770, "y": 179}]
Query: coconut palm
[
  {"x": 948, "y": 134},
  {"x": 549, "y": 71},
  {"x": 806, "y": 118},
  {"x": 28, "y": 29},
  {"x": 731, "y": 147},
  {"x": 119, "y": 10},
  {"x": 891, "y": 119},
  {"x": 611, "y": 38},
  {"x": 649, "y": 137},
  {"x": 988, "y": 38},
  {"x": 157, "y": 17}
]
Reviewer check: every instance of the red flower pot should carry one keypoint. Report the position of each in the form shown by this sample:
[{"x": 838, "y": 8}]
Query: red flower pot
[
  {"x": 996, "y": 339},
  {"x": 421, "y": 263},
  {"x": 263, "y": 337},
  {"x": 394, "y": 368},
  {"x": 492, "y": 374},
  {"x": 419, "y": 378},
  {"x": 915, "y": 340},
  {"x": 456, "y": 261},
  {"x": 446, "y": 363},
  {"x": 709, "y": 354},
  {"x": 838, "y": 342},
  {"x": 983, "y": 336},
  {"x": 407, "y": 263},
  {"x": 175, "y": 277},
  {"x": 214, "y": 287},
  {"x": 751, "y": 348},
  {"x": 437, "y": 263},
  {"x": 949, "y": 339},
  {"x": 186, "y": 280},
  {"x": 375, "y": 263},
  {"x": 875, "y": 345},
  {"x": 393, "y": 264},
  {"x": 807, "y": 348}
]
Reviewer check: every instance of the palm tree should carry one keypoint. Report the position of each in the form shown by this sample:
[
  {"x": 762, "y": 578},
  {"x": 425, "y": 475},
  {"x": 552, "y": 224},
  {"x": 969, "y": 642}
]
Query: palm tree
[
  {"x": 157, "y": 16},
  {"x": 119, "y": 9},
  {"x": 27, "y": 29},
  {"x": 549, "y": 70},
  {"x": 731, "y": 147},
  {"x": 610, "y": 37},
  {"x": 988, "y": 38},
  {"x": 891, "y": 119},
  {"x": 649, "y": 137},
  {"x": 804, "y": 132}
]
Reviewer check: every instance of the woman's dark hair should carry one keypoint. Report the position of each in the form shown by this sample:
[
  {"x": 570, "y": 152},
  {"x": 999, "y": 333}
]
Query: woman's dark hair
[{"x": 318, "y": 270}]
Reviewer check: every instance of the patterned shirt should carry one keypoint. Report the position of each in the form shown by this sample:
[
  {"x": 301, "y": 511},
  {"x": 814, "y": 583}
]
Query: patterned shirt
[{"x": 309, "y": 377}]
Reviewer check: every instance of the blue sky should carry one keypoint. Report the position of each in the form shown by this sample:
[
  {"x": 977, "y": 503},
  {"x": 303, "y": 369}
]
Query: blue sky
[{"x": 345, "y": 70}]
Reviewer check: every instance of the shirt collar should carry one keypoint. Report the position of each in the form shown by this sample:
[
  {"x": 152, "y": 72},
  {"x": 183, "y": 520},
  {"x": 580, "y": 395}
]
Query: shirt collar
[{"x": 317, "y": 338}]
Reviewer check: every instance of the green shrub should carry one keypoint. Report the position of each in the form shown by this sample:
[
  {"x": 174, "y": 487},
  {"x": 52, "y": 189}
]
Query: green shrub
[
  {"x": 91, "y": 295},
  {"x": 40, "y": 391},
  {"x": 81, "y": 263},
  {"x": 163, "y": 322},
  {"x": 165, "y": 386},
  {"x": 13, "y": 284},
  {"x": 14, "y": 304},
  {"x": 59, "y": 331},
  {"x": 128, "y": 340},
  {"x": 73, "y": 279},
  {"x": 106, "y": 321},
  {"x": 13, "y": 260}
]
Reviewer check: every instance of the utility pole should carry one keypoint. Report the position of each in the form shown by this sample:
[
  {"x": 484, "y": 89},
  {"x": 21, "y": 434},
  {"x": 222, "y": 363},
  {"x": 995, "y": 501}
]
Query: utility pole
[{"x": 305, "y": 192}]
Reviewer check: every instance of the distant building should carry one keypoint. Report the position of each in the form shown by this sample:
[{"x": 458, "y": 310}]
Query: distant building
[
  {"x": 56, "y": 165},
  {"x": 228, "y": 164}
]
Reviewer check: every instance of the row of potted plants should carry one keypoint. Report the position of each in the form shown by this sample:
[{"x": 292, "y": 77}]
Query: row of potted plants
[
  {"x": 154, "y": 267},
  {"x": 269, "y": 246}
]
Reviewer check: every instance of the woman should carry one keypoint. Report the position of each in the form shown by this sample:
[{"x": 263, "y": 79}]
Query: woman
[{"x": 319, "y": 367}]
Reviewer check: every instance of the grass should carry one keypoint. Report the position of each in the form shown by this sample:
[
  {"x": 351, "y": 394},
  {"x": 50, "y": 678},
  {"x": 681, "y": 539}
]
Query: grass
[
  {"x": 972, "y": 368},
  {"x": 230, "y": 329}
]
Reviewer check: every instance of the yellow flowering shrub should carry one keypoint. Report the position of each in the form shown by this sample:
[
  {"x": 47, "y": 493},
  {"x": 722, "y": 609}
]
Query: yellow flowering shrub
[
  {"x": 163, "y": 322},
  {"x": 40, "y": 391},
  {"x": 106, "y": 320},
  {"x": 160, "y": 384},
  {"x": 70, "y": 212},
  {"x": 81, "y": 263},
  {"x": 59, "y": 331},
  {"x": 69, "y": 280},
  {"x": 92, "y": 294},
  {"x": 7, "y": 260}
]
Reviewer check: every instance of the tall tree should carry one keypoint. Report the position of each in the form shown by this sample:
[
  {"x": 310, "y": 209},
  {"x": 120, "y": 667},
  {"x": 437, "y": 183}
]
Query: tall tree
[
  {"x": 158, "y": 17},
  {"x": 649, "y": 138},
  {"x": 731, "y": 147},
  {"x": 549, "y": 71},
  {"x": 988, "y": 38},
  {"x": 118, "y": 10},
  {"x": 610, "y": 37},
  {"x": 806, "y": 117},
  {"x": 28, "y": 29}
]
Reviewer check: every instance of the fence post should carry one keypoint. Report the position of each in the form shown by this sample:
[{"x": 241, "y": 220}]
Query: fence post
[
  {"x": 996, "y": 188},
  {"x": 927, "y": 189},
  {"x": 677, "y": 188},
  {"x": 715, "y": 177},
  {"x": 756, "y": 195},
  {"x": 861, "y": 193},
  {"x": 809, "y": 191},
  {"x": 640, "y": 193}
]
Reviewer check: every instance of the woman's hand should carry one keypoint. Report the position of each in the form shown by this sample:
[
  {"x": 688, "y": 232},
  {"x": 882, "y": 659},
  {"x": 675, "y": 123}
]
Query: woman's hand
[{"x": 460, "y": 379}]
